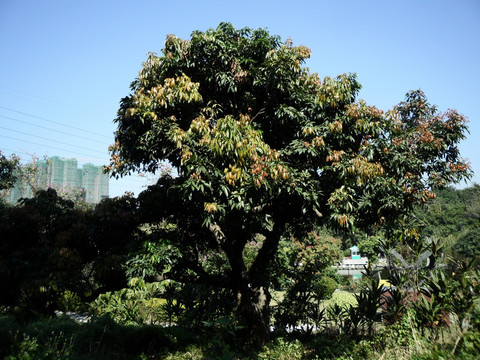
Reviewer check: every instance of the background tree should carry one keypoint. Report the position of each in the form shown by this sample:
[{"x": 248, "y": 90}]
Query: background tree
[
  {"x": 306, "y": 266},
  {"x": 48, "y": 246},
  {"x": 454, "y": 217},
  {"x": 24, "y": 177},
  {"x": 28, "y": 253},
  {"x": 7, "y": 172},
  {"x": 262, "y": 148}
]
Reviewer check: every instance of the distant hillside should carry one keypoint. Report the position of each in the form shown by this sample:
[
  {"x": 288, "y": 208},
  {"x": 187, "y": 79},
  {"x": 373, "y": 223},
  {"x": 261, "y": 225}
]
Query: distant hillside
[{"x": 454, "y": 216}]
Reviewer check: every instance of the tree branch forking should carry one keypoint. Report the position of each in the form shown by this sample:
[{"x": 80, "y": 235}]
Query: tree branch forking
[{"x": 217, "y": 233}]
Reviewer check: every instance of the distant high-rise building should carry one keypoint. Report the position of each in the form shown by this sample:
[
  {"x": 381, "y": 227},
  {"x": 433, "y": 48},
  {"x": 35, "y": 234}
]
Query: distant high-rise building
[
  {"x": 94, "y": 182},
  {"x": 64, "y": 176},
  {"x": 70, "y": 173},
  {"x": 56, "y": 171}
]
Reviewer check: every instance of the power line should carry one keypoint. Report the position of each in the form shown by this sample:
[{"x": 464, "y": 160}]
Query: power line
[
  {"x": 48, "y": 139},
  {"x": 47, "y": 128},
  {"x": 53, "y": 122},
  {"x": 9, "y": 150},
  {"x": 130, "y": 179},
  {"x": 51, "y": 147}
]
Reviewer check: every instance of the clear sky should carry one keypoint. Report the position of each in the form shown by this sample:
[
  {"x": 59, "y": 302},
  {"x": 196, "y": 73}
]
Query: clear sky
[{"x": 65, "y": 65}]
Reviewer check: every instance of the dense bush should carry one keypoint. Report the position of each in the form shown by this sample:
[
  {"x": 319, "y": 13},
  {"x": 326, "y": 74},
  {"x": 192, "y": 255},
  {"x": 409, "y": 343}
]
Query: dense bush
[
  {"x": 52, "y": 252},
  {"x": 62, "y": 338}
]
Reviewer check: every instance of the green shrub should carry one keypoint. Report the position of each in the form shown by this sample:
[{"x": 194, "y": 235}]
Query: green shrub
[
  {"x": 283, "y": 349},
  {"x": 56, "y": 347},
  {"x": 138, "y": 304},
  {"x": 102, "y": 338}
]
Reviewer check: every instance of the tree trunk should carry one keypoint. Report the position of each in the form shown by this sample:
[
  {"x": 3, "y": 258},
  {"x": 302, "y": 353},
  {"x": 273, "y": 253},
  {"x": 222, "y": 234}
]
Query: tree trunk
[
  {"x": 254, "y": 308},
  {"x": 254, "y": 302}
]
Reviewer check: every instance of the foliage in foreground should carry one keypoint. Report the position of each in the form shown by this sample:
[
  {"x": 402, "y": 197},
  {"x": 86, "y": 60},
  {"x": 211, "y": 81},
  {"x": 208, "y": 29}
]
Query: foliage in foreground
[
  {"x": 412, "y": 328},
  {"x": 62, "y": 339}
]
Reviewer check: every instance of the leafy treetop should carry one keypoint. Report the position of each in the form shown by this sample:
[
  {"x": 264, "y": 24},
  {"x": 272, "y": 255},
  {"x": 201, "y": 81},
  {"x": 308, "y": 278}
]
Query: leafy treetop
[{"x": 237, "y": 115}]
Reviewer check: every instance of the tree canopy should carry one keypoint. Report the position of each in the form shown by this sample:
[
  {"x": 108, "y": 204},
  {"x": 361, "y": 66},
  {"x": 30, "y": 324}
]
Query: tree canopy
[{"x": 262, "y": 148}]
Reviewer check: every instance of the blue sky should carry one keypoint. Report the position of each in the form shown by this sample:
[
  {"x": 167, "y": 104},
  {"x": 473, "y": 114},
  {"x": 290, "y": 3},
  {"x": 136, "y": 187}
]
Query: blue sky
[{"x": 65, "y": 65}]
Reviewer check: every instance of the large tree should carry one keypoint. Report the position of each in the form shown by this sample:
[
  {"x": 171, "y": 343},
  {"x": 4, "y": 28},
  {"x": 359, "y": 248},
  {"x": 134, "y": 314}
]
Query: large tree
[{"x": 262, "y": 148}]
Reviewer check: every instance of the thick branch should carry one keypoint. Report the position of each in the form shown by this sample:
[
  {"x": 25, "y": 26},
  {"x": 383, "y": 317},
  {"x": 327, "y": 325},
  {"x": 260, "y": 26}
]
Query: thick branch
[
  {"x": 217, "y": 233},
  {"x": 267, "y": 252},
  {"x": 205, "y": 279},
  {"x": 233, "y": 248}
]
